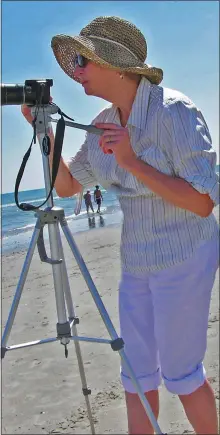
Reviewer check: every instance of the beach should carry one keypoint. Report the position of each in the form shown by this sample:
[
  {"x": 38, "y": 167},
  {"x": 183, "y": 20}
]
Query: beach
[{"x": 41, "y": 389}]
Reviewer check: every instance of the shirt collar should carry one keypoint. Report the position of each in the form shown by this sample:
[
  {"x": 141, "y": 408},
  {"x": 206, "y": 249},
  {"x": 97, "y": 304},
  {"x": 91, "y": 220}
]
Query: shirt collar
[{"x": 138, "y": 114}]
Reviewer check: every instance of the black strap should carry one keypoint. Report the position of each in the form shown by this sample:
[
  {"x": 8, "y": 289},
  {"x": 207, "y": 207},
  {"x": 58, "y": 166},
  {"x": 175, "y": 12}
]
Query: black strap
[
  {"x": 65, "y": 116},
  {"x": 20, "y": 174},
  {"x": 58, "y": 144}
]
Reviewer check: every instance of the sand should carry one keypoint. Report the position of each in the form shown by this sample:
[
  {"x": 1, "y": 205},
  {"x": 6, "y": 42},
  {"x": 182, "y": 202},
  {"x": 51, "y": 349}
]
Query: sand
[{"x": 41, "y": 389}]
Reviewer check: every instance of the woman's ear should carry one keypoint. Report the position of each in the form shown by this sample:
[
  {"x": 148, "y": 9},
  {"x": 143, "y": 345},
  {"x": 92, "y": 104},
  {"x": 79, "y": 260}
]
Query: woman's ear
[{"x": 120, "y": 75}]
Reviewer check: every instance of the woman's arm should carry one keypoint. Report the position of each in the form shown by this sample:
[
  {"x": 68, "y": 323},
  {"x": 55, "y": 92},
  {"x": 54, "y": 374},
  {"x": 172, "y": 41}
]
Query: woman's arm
[{"x": 177, "y": 191}]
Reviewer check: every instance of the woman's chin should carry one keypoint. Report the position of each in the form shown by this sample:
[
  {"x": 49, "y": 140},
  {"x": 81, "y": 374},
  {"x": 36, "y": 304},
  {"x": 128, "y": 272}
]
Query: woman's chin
[{"x": 87, "y": 90}]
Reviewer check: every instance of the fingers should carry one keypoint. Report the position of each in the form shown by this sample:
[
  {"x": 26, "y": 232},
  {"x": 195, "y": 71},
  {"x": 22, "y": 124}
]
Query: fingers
[
  {"x": 106, "y": 147},
  {"x": 106, "y": 126},
  {"x": 110, "y": 139},
  {"x": 107, "y": 151},
  {"x": 112, "y": 136},
  {"x": 26, "y": 111}
]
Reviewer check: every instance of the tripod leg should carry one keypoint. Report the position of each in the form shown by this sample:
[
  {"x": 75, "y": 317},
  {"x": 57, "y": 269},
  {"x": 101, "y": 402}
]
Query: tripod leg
[
  {"x": 54, "y": 237},
  {"x": 117, "y": 342},
  {"x": 71, "y": 314},
  {"x": 85, "y": 388},
  {"x": 65, "y": 280},
  {"x": 21, "y": 283}
]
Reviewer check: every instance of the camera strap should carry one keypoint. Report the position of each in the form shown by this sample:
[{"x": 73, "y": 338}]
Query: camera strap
[{"x": 58, "y": 144}]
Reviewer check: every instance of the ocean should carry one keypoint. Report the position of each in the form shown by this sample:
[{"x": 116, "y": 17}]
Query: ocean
[{"x": 18, "y": 226}]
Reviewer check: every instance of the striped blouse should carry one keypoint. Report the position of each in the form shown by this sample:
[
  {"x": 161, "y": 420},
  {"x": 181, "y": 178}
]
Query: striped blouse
[{"x": 168, "y": 132}]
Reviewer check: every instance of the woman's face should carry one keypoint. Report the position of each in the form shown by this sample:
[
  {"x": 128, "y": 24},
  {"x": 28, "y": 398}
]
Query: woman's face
[{"x": 95, "y": 79}]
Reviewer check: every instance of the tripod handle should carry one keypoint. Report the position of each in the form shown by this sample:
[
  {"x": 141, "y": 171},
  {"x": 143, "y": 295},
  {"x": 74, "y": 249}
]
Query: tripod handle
[
  {"x": 42, "y": 251},
  {"x": 89, "y": 128}
]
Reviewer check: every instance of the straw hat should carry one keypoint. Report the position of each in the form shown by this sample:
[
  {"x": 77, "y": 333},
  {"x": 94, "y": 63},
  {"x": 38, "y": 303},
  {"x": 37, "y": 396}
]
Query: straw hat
[{"x": 110, "y": 42}]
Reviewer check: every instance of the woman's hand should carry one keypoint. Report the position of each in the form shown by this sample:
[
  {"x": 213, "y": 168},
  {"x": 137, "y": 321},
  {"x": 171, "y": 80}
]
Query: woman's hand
[
  {"x": 26, "y": 111},
  {"x": 115, "y": 139}
]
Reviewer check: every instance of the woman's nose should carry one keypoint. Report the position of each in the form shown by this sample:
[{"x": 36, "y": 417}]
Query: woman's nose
[{"x": 78, "y": 71}]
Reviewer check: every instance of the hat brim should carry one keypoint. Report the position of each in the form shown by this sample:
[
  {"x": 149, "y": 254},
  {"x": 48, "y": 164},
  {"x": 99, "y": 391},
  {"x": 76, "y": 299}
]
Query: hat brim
[{"x": 66, "y": 47}]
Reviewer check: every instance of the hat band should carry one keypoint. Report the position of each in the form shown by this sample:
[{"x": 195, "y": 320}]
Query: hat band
[{"x": 114, "y": 42}]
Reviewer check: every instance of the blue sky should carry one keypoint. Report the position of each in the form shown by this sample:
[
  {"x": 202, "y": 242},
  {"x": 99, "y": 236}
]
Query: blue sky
[{"x": 182, "y": 39}]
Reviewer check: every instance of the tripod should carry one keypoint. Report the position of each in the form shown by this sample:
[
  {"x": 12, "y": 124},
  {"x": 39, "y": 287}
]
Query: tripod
[{"x": 66, "y": 327}]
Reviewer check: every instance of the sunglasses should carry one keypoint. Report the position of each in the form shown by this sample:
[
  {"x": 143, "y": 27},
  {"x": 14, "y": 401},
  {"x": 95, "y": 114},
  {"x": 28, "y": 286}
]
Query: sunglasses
[{"x": 80, "y": 60}]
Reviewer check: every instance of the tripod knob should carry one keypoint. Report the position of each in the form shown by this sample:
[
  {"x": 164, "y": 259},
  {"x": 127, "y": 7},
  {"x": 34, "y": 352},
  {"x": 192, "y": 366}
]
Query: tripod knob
[{"x": 66, "y": 350}]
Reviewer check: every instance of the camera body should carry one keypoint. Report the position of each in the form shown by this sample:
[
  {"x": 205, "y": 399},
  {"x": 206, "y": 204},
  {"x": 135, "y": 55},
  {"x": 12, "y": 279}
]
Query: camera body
[{"x": 32, "y": 93}]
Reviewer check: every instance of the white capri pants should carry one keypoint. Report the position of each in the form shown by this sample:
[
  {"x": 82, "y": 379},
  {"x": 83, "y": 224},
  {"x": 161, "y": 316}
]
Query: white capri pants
[{"x": 164, "y": 322}]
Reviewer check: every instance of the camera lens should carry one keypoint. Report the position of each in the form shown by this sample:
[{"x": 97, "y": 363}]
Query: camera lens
[{"x": 12, "y": 94}]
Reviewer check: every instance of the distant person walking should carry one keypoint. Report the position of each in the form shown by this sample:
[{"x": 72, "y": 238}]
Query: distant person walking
[
  {"x": 88, "y": 201},
  {"x": 98, "y": 198}
]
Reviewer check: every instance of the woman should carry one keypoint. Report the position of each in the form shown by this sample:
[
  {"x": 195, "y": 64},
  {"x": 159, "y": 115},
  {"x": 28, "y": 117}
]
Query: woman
[{"x": 156, "y": 153}]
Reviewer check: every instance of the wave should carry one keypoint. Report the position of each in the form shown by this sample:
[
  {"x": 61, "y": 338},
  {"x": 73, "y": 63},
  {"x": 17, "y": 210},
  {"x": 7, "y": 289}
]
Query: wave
[
  {"x": 83, "y": 214},
  {"x": 18, "y": 230},
  {"x": 12, "y": 204}
]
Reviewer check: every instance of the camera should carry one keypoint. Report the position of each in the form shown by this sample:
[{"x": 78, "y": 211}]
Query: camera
[{"x": 32, "y": 93}]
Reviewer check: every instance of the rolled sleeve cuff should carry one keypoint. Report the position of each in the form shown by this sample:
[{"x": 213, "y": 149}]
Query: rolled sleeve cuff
[
  {"x": 81, "y": 173},
  {"x": 206, "y": 185}
]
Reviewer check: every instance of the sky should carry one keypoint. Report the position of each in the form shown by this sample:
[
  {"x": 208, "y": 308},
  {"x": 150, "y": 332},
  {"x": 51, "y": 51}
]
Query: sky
[{"x": 182, "y": 39}]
